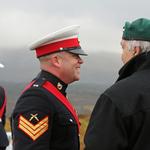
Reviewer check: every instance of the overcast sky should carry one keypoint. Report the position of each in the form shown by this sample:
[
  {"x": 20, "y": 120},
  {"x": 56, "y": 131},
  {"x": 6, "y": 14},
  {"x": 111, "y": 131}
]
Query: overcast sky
[{"x": 101, "y": 21}]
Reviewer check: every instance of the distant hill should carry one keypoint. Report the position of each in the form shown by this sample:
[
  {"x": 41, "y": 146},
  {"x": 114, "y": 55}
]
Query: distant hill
[
  {"x": 22, "y": 66},
  {"x": 84, "y": 96}
]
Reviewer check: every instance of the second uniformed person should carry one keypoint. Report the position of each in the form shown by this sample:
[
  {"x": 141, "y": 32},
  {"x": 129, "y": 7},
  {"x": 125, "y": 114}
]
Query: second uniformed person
[
  {"x": 43, "y": 118},
  {"x": 3, "y": 136}
]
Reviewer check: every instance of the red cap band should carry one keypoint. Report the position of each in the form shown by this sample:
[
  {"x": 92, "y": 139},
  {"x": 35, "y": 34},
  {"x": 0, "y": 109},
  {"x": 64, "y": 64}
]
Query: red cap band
[{"x": 54, "y": 47}]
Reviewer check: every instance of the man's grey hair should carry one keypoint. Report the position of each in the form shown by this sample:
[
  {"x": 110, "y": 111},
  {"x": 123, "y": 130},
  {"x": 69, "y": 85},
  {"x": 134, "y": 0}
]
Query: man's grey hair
[
  {"x": 144, "y": 45},
  {"x": 46, "y": 57}
]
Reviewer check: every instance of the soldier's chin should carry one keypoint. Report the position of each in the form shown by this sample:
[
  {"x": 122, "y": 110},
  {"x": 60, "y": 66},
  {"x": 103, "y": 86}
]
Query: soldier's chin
[{"x": 77, "y": 79}]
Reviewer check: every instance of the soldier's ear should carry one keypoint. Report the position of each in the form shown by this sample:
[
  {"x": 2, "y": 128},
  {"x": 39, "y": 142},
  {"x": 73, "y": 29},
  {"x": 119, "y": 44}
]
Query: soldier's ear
[
  {"x": 137, "y": 50},
  {"x": 56, "y": 60}
]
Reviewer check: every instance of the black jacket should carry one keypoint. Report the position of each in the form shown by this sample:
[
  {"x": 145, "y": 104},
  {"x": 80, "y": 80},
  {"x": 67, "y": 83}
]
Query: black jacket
[
  {"x": 3, "y": 137},
  {"x": 121, "y": 117},
  {"x": 38, "y": 106}
]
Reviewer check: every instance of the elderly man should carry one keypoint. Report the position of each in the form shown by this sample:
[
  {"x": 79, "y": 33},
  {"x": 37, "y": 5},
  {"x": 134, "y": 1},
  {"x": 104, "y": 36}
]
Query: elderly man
[
  {"x": 43, "y": 118},
  {"x": 121, "y": 117},
  {"x": 3, "y": 137}
]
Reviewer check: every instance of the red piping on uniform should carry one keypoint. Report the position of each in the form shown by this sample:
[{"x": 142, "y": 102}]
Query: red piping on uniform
[
  {"x": 28, "y": 86},
  {"x": 51, "y": 88},
  {"x": 56, "y": 46},
  {"x": 3, "y": 107}
]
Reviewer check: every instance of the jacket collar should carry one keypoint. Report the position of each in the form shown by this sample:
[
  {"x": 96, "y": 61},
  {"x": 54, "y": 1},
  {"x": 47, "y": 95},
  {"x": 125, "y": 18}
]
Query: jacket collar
[
  {"x": 59, "y": 84},
  {"x": 140, "y": 62}
]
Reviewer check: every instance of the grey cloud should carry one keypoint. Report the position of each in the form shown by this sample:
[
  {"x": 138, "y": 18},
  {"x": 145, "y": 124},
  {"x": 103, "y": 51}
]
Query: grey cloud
[{"x": 22, "y": 22}]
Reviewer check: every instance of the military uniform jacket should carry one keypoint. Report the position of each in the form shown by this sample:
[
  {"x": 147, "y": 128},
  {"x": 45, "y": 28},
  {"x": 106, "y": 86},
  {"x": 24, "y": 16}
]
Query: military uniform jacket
[
  {"x": 121, "y": 116},
  {"x": 3, "y": 137},
  {"x": 41, "y": 122}
]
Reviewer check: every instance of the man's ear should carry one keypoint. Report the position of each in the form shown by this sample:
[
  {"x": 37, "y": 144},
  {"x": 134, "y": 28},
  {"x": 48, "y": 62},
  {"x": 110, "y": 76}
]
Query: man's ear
[
  {"x": 55, "y": 61},
  {"x": 137, "y": 50}
]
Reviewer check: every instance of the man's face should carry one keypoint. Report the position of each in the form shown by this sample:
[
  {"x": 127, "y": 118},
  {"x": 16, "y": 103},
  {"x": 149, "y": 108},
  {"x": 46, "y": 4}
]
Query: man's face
[
  {"x": 70, "y": 67},
  {"x": 126, "y": 53}
]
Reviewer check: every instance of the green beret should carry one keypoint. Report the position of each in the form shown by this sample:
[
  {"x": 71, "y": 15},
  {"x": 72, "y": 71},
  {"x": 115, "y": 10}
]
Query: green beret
[{"x": 137, "y": 30}]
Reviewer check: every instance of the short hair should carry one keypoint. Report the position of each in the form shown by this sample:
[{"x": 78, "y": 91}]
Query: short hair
[
  {"x": 144, "y": 45},
  {"x": 47, "y": 57}
]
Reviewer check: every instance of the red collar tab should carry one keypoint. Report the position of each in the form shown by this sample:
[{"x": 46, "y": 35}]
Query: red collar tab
[{"x": 56, "y": 46}]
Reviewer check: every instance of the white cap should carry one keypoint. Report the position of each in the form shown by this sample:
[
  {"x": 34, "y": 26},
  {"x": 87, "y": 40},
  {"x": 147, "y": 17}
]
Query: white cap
[{"x": 65, "y": 39}]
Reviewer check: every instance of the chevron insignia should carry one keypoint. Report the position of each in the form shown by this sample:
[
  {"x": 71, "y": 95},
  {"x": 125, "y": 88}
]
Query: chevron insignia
[{"x": 33, "y": 131}]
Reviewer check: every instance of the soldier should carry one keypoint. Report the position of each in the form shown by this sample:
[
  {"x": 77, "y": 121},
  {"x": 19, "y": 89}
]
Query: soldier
[
  {"x": 3, "y": 137},
  {"x": 43, "y": 118},
  {"x": 121, "y": 116}
]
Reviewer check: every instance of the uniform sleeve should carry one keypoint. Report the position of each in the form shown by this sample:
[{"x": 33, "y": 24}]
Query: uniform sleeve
[
  {"x": 2, "y": 98},
  {"x": 4, "y": 117},
  {"x": 106, "y": 129},
  {"x": 32, "y": 122}
]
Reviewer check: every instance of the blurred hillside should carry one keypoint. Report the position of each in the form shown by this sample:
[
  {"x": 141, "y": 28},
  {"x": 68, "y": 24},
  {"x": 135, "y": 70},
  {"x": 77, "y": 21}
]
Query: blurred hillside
[{"x": 22, "y": 66}]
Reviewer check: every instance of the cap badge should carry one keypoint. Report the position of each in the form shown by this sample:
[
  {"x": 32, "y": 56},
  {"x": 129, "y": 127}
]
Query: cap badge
[
  {"x": 61, "y": 48},
  {"x": 59, "y": 86}
]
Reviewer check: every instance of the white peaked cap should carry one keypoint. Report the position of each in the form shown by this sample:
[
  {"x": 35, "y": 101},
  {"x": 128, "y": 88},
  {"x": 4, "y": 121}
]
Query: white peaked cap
[{"x": 65, "y": 39}]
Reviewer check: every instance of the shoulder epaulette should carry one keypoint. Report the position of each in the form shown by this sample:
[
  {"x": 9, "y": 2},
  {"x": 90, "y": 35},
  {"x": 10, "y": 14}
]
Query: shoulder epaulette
[{"x": 38, "y": 82}]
